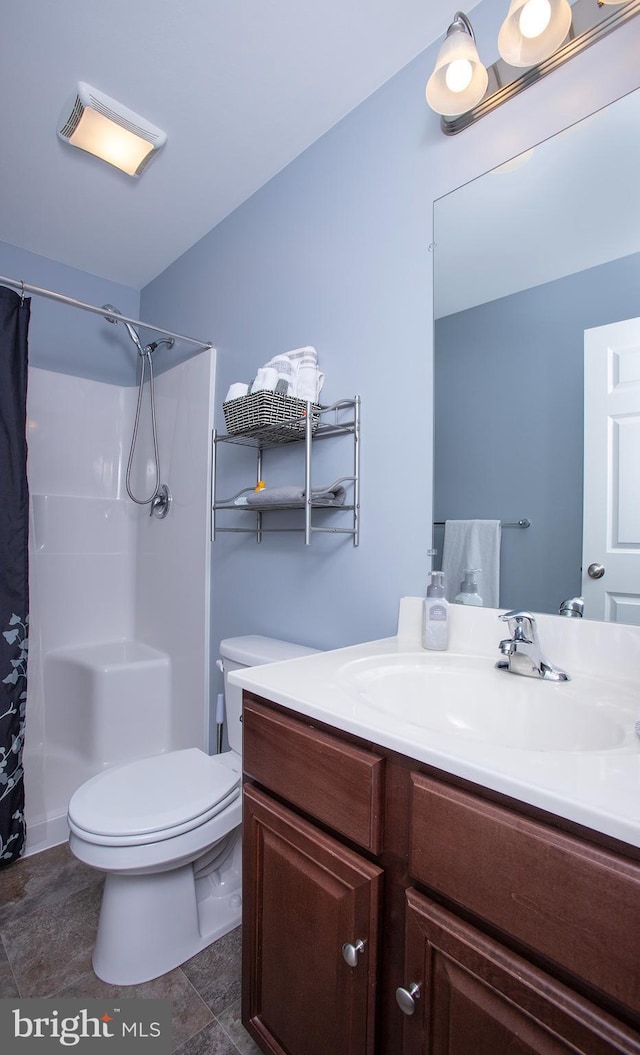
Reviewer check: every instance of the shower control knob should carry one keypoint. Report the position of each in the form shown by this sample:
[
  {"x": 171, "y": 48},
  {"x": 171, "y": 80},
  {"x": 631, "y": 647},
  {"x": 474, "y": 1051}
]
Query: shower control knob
[
  {"x": 595, "y": 571},
  {"x": 406, "y": 998},
  {"x": 351, "y": 952}
]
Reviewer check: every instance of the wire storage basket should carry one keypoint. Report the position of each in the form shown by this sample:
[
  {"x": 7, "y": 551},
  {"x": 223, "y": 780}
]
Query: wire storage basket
[{"x": 265, "y": 411}]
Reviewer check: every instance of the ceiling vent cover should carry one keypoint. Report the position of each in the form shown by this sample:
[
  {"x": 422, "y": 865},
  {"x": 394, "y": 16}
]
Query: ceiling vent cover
[{"x": 101, "y": 126}]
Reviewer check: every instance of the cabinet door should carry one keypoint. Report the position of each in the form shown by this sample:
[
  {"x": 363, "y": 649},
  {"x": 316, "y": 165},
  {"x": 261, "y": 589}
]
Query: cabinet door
[
  {"x": 478, "y": 998},
  {"x": 306, "y": 896}
]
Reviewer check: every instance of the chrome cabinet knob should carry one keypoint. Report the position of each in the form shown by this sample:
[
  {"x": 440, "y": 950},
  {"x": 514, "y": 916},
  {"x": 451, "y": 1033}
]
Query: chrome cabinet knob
[
  {"x": 406, "y": 998},
  {"x": 595, "y": 571},
  {"x": 351, "y": 952}
]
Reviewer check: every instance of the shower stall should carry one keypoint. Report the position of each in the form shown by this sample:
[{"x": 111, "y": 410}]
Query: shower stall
[{"x": 119, "y": 598}]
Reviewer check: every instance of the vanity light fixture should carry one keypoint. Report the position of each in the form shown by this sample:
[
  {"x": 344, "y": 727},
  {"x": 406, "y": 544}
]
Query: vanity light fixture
[
  {"x": 532, "y": 30},
  {"x": 459, "y": 80},
  {"x": 536, "y": 37},
  {"x": 98, "y": 124}
]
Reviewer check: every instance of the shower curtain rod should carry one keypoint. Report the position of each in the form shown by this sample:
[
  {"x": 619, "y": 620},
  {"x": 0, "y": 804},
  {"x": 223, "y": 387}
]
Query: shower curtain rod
[{"x": 25, "y": 287}]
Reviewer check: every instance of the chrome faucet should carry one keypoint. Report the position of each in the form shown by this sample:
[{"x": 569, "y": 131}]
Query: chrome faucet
[
  {"x": 523, "y": 652},
  {"x": 573, "y": 607}
]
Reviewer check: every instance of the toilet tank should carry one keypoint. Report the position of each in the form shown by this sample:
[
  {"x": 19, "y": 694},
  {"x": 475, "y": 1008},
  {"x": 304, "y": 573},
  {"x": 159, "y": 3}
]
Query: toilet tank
[{"x": 250, "y": 651}]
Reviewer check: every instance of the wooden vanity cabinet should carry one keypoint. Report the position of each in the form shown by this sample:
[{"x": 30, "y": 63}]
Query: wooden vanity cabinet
[
  {"x": 505, "y": 933},
  {"x": 476, "y": 997},
  {"x": 311, "y": 904}
]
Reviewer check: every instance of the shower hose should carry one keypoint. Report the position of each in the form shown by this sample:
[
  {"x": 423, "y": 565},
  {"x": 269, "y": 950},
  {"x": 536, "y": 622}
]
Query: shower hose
[{"x": 145, "y": 355}]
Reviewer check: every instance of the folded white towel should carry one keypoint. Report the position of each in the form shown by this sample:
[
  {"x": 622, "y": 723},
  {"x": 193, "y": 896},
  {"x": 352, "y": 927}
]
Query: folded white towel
[
  {"x": 473, "y": 544},
  {"x": 309, "y": 382}
]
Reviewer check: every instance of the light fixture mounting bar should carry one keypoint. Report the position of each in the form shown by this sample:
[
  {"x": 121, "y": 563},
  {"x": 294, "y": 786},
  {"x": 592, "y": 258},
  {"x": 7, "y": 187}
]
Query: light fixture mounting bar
[{"x": 590, "y": 23}]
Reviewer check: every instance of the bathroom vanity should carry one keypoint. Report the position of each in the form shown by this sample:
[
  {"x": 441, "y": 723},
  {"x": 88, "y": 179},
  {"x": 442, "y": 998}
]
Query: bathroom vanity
[{"x": 396, "y": 906}]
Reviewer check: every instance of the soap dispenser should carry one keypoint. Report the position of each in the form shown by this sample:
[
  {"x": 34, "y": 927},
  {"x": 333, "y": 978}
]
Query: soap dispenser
[
  {"x": 469, "y": 588},
  {"x": 435, "y": 621}
]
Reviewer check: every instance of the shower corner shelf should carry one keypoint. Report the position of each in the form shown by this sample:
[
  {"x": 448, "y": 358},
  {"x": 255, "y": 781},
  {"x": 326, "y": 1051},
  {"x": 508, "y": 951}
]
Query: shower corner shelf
[{"x": 341, "y": 419}]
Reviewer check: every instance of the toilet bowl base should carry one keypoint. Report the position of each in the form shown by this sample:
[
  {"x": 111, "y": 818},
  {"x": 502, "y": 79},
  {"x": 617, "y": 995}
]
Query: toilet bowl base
[{"x": 150, "y": 924}]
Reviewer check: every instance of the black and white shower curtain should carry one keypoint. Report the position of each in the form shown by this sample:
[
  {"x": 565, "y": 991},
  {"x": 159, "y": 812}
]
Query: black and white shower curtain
[{"x": 14, "y": 580}]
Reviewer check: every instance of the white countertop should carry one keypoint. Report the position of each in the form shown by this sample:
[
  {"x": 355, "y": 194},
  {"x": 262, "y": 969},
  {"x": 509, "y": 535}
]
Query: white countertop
[{"x": 596, "y": 788}]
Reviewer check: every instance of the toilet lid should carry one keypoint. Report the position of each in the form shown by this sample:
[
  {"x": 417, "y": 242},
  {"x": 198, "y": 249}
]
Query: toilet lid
[{"x": 153, "y": 795}]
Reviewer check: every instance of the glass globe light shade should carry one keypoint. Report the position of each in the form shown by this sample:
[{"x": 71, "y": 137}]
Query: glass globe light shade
[
  {"x": 459, "y": 80},
  {"x": 533, "y": 30}
]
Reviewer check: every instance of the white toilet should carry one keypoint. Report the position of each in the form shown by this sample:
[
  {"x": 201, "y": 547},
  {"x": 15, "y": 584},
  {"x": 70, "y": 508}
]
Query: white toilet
[{"x": 166, "y": 830}]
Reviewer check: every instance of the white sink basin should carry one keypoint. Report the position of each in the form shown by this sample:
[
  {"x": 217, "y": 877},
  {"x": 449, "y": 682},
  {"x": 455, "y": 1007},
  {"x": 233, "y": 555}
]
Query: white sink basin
[{"x": 466, "y": 696}]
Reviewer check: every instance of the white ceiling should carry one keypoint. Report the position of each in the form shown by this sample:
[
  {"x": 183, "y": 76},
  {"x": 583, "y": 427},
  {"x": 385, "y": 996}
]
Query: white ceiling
[{"x": 241, "y": 87}]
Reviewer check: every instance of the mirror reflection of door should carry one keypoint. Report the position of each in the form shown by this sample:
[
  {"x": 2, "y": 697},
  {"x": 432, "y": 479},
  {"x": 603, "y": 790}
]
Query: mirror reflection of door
[{"x": 611, "y": 528}]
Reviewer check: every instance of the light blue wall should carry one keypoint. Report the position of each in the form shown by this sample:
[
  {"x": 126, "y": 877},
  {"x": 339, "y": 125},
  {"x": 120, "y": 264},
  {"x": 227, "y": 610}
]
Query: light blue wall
[
  {"x": 334, "y": 252},
  {"x": 64, "y": 339},
  {"x": 509, "y": 422}
]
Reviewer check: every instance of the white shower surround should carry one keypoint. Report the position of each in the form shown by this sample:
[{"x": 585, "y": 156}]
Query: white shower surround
[{"x": 103, "y": 571}]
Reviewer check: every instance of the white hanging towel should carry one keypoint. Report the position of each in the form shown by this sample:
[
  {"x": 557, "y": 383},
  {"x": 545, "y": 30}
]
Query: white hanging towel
[{"x": 473, "y": 544}]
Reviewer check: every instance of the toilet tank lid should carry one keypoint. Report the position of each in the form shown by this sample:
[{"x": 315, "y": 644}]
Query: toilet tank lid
[{"x": 253, "y": 649}]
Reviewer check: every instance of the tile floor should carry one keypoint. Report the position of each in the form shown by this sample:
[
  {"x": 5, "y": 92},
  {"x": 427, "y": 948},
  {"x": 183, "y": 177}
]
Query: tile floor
[{"x": 49, "y": 907}]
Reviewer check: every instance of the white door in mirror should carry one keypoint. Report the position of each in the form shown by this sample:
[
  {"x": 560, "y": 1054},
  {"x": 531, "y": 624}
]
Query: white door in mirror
[{"x": 611, "y": 512}]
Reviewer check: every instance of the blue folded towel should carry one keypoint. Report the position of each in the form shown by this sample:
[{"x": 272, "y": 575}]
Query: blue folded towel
[{"x": 294, "y": 497}]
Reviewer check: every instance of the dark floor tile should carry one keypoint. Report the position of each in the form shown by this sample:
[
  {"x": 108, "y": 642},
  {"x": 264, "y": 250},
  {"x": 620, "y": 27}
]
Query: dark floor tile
[
  {"x": 49, "y": 906},
  {"x": 212, "y": 1040},
  {"x": 215, "y": 972},
  {"x": 8, "y": 987},
  {"x": 189, "y": 1013},
  {"x": 31, "y": 883},
  {"x": 231, "y": 1023},
  {"x": 51, "y": 947}
]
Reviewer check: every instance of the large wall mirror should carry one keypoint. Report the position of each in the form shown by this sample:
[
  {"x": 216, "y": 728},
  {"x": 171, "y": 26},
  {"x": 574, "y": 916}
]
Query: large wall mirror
[{"x": 529, "y": 258}]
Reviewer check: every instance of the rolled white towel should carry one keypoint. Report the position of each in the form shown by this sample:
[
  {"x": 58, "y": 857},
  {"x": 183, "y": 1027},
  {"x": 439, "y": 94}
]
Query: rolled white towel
[
  {"x": 265, "y": 380},
  {"x": 283, "y": 371},
  {"x": 236, "y": 391},
  {"x": 290, "y": 365}
]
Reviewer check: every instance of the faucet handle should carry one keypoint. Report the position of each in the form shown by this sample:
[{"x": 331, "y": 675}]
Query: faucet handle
[
  {"x": 521, "y": 624},
  {"x": 518, "y": 616}
]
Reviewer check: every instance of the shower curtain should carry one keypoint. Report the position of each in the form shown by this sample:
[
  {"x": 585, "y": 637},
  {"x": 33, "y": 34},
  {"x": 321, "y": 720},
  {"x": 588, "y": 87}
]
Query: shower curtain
[{"x": 14, "y": 581}]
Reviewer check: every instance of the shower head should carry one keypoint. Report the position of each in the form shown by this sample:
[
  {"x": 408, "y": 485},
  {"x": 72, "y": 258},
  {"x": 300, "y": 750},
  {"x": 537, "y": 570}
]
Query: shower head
[
  {"x": 131, "y": 330},
  {"x": 133, "y": 333}
]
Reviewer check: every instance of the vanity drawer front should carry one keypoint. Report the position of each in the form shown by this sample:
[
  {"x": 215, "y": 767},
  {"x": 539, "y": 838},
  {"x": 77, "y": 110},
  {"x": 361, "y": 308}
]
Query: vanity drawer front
[
  {"x": 337, "y": 783},
  {"x": 576, "y": 904}
]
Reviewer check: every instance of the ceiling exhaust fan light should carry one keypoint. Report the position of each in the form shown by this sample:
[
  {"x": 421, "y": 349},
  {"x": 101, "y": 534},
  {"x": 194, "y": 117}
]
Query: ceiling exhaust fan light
[
  {"x": 99, "y": 136},
  {"x": 459, "y": 80},
  {"x": 99, "y": 125},
  {"x": 533, "y": 30}
]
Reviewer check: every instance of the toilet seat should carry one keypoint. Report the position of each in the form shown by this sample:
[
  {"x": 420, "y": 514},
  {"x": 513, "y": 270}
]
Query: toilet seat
[{"x": 153, "y": 799}]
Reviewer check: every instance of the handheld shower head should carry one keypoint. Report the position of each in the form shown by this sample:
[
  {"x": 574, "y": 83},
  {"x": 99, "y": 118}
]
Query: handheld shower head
[
  {"x": 131, "y": 330},
  {"x": 133, "y": 333},
  {"x": 160, "y": 498}
]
